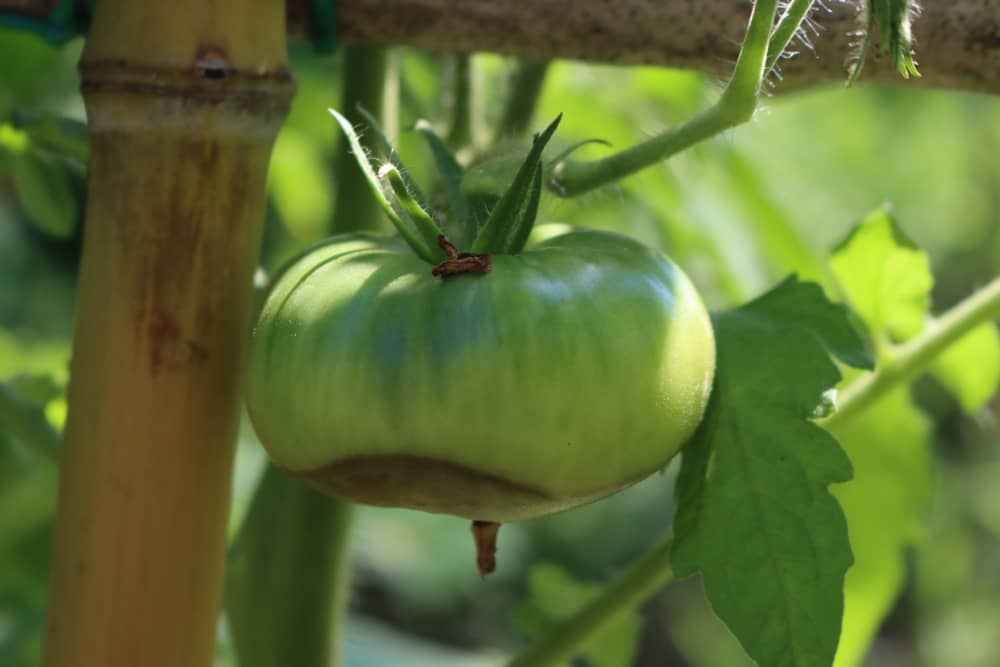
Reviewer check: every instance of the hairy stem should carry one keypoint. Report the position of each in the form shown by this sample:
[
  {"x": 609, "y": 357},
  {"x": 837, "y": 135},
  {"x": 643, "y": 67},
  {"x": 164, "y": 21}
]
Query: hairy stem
[
  {"x": 791, "y": 20},
  {"x": 915, "y": 355},
  {"x": 736, "y": 106},
  {"x": 641, "y": 579}
]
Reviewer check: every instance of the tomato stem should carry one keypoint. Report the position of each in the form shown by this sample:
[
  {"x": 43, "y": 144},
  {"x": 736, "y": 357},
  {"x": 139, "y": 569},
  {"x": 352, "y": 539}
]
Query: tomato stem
[
  {"x": 735, "y": 107},
  {"x": 525, "y": 89},
  {"x": 460, "y": 130},
  {"x": 363, "y": 84},
  {"x": 906, "y": 361},
  {"x": 485, "y": 535},
  {"x": 631, "y": 587},
  {"x": 788, "y": 26}
]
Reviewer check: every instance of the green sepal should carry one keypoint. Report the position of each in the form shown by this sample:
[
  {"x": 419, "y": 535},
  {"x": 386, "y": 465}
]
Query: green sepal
[
  {"x": 451, "y": 173},
  {"x": 390, "y": 154},
  {"x": 894, "y": 19},
  {"x": 413, "y": 239},
  {"x": 502, "y": 229},
  {"x": 426, "y": 225},
  {"x": 525, "y": 220}
]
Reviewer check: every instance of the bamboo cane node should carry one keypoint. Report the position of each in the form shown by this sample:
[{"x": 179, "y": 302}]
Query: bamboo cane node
[{"x": 210, "y": 78}]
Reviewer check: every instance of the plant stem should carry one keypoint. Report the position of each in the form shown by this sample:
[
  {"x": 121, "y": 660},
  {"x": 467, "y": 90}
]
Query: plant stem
[
  {"x": 913, "y": 356},
  {"x": 640, "y": 580},
  {"x": 525, "y": 89},
  {"x": 460, "y": 134},
  {"x": 363, "y": 70},
  {"x": 184, "y": 100},
  {"x": 28, "y": 424},
  {"x": 288, "y": 574},
  {"x": 792, "y": 18},
  {"x": 736, "y": 106}
]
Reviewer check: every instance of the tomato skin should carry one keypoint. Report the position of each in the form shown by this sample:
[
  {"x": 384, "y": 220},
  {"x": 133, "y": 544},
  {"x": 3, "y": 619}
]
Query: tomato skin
[{"x": 569, "y": 371}]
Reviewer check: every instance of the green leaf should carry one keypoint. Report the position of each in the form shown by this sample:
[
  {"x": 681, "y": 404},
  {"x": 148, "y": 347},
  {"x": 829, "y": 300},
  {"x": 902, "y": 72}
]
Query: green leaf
[
  {"x": 555, "y": 596},
  {"x": 64, "y": 136},
  {"x": 970, "y": 369},
  {"x": 499, "y": 233},
  {"x": 889, "y": 447},
  {"x": 755, "y": 516},
  {"x": 884, "y": 277},
  {"x": 45, "y": 190}
]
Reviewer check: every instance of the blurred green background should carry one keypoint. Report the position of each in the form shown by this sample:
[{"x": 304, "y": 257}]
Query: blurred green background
[{"x": 737, "y": 213}]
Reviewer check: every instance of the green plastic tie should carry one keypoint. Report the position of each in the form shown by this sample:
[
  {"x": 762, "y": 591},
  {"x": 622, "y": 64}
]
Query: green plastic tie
[
  {"x": 324, "y": 26},
  {"x": 66, "y": 20}
]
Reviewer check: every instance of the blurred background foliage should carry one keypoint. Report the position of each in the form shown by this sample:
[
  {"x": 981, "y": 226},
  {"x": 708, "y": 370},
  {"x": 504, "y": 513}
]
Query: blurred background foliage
[{"x": 738, "y": 213}]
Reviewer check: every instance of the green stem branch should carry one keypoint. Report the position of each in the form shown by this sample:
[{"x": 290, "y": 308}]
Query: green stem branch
[
  {"x": 906, "y": 361},
  {"x": 736, "y": 106},
  {"x": 639, "y": 581}
]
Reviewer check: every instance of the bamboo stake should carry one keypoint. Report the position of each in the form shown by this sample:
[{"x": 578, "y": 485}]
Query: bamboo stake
[{"x": 184, "y": 100}]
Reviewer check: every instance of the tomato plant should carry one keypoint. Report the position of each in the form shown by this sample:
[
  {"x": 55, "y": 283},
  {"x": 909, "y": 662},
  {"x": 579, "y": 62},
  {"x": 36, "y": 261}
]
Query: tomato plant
[{"x": 821, "y": 443}]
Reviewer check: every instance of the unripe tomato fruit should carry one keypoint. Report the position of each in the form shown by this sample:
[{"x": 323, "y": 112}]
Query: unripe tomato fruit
[{"x": 565, "y": 373}]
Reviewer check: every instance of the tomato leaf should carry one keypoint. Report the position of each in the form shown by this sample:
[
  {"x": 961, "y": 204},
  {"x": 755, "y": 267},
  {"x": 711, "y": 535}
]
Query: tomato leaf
[
  {"x": 755, "y": 516},
  {"x": 888, "y": 446},
  {"x": 45, "y": 190},
  {"x": 63, "y": 136},
  {"x": 884, "y": 277},
  {"x": 555, "y": 595}
]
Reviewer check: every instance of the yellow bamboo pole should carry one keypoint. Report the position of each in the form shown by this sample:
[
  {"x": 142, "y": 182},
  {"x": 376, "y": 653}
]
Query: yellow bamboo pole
[{"x": 184, "y": 99}]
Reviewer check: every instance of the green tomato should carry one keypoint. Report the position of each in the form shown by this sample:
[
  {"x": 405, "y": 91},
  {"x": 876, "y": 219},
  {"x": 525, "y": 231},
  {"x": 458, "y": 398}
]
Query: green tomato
[{"x": 568, "y": 372}]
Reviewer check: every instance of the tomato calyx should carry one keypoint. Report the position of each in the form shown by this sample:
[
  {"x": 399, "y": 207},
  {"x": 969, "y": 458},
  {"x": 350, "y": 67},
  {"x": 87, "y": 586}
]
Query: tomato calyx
[
  {"x": 505, "y": 230},
  {"x": 458, "y": 262}
]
